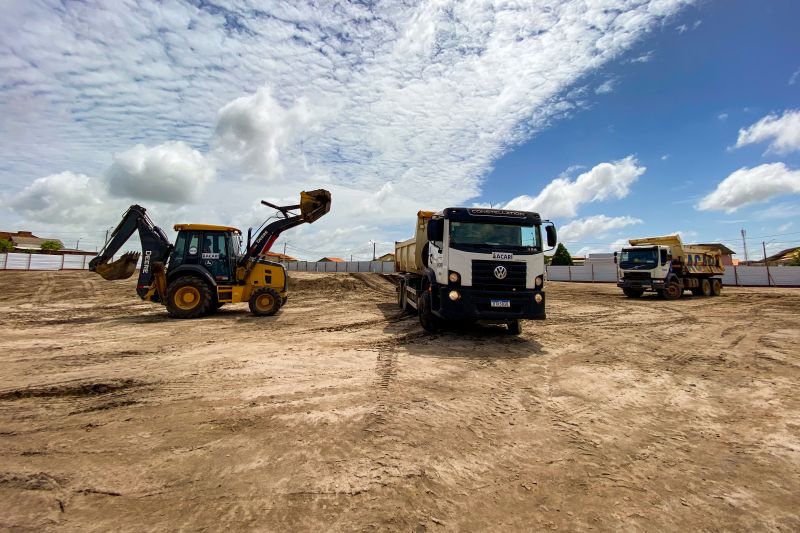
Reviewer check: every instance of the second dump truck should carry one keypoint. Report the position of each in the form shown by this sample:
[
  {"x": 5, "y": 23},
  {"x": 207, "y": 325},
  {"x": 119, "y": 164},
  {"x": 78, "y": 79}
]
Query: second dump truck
[
  {"x": 467, "y": 264},
  {"x": 667, "y": 266}
]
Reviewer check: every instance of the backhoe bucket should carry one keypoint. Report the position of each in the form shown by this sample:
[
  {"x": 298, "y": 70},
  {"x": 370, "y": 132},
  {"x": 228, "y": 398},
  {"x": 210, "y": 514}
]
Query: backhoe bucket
[
  {"x": 122, "y": 268},
  {"x": 314, "y": 204}
]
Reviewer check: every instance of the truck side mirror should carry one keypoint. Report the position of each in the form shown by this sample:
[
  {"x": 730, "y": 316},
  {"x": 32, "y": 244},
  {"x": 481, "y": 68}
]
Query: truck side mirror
[
  {"x": 552, "y": 237},
  {"x": 436, "y": 229},
  {"x": 615, "y": 258}
]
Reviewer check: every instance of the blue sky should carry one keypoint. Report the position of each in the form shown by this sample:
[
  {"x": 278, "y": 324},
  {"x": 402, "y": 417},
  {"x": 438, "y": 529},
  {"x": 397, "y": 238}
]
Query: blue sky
[{"x": 615, "y": 119}]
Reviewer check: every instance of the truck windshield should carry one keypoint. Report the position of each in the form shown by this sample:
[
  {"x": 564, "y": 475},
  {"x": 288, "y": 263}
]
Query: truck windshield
[
  {"x": 480, "y": 235},
  {"x": 644, "y": 259}
]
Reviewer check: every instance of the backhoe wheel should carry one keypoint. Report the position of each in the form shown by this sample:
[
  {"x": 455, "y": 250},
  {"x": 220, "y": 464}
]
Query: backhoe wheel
[
  {"x": 705, "y": 287},
  {"x": 716, "y": 287},
  {"x": 188, "y": 297},
  {"x": 515, "y": 327},
  {"x": 633, "y": 293},
  {"x": 672, "y": 291},
  {"x": 265, "y": 301}
]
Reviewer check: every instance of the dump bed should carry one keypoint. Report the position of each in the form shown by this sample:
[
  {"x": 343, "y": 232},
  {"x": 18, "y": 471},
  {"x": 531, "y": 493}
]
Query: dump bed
[{"x": 408, "y": 254}]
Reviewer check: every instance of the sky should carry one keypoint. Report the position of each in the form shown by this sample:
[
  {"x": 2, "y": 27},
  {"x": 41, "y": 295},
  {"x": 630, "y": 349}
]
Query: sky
[{"x": 614, "y": 119}]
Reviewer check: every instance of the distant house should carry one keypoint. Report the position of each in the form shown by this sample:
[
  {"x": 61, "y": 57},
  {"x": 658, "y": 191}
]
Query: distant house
[
  {"x": 783, "y": 257},
  {"x": 281, "y": 258},
  {"x": 25, "y": 241},
  {"x": 387, "y": 258},
  {"x": 330, "y": 260}
]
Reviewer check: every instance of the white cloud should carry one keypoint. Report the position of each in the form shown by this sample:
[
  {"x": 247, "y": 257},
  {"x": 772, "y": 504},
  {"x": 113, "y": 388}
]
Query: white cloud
[
  {"x": 782, "y": 132},
  {"x": 665, "y": 157},
  {"x": 172, "y": 172},
  {"x": 606, "y": 87},
  {"x": 562, "y": 196},
  {"x": 256, "y": 131},
  {"x": 424, "y": 95},
  {"x": 751, "y": 185},
  {"x": 722, "y": 116},
  {"x": 793, "y": 78},
  {"x": 64, "y": 198},
  {"x": 682, "y": 28},
  {"x": 596, "y": 226},
  {"x": 644, "y": 58}
]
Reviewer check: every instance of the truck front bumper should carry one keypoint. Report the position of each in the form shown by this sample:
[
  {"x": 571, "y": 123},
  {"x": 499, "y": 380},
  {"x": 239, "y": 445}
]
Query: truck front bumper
[
  {"x": 641, "y": 284},
  {"x": 476, "y": 304}
]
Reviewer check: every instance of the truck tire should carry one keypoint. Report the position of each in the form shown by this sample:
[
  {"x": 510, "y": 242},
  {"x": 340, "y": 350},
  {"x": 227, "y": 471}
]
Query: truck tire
[
  {"x": 672, "y": 291},
  {"x": 188, "y": 297},
  {"x": 705, "y": 287},
  {"x": 265, "y": 301},
  {"x": 515, "y": 327},
  {"x": 427, "y": 319},
  {"x": 716, "y": 287},
  {"x": 401, "y": 295},
  {"x": 632, "y": 293}
]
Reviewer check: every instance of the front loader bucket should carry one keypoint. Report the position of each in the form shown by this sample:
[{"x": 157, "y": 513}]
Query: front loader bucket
[
  {"x": 314, "y": 204},
  {"x": 122, "y": 268}
]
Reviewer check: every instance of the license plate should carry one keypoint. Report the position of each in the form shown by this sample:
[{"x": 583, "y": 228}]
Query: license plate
[{"x": 501, "y": 303}]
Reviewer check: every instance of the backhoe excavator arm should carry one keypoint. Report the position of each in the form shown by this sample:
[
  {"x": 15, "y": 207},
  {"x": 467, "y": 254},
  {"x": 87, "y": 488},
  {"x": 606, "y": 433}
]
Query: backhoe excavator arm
[
  {"x": 155, "y": 248},
  {"x": 313, "y": 205}
]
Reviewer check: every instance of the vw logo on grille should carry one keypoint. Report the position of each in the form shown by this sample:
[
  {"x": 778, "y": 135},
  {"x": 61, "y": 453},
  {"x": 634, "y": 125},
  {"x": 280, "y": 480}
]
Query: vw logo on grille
[{"x": 500, "y": 272}]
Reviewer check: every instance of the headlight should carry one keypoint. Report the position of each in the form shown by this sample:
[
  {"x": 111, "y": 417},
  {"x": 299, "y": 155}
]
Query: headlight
[
  {"x": 453, "y": 277},
  {"x": 538, "y": 298},
  {"x": 538, "y": 281},
  {"x": 454, "y": 295}
]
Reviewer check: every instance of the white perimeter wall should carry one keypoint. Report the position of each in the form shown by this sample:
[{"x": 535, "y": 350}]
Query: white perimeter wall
[{"x": 598, "y": 273}]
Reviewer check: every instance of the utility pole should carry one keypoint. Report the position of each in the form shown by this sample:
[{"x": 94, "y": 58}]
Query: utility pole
[
  {"x": 744, "y": 243},
  {"x": 284, "y": 249},
  {"x": 107, "y": 234},
  {"x": 78, "y": 244},
  {"x": 769, "y": 277},
  {"x": 373, "y": 251}
]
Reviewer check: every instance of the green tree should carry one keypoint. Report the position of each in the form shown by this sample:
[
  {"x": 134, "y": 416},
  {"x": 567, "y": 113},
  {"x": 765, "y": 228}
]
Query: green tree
[
  {"x": 561, "y": 257},
  {"x": 795, "y": 259},
  {"x": 51, "y": 246},
  {"x": 6, "y": 246}
]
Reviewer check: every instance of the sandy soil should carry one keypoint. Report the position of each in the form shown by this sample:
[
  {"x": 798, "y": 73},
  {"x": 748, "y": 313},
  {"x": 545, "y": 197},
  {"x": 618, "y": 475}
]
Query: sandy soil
[{"x": 340, "y": 414}]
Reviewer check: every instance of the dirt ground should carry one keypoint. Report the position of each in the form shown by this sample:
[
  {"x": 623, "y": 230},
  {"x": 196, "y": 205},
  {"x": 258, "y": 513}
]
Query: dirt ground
[{"x": 340, "y": 414}]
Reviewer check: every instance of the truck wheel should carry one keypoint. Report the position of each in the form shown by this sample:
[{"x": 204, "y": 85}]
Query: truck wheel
[
  {"x": 705, "y": 287},
  {"x": 188, "y": 297},
  {"x": 265, "y": 301},
  {"x": 515, "y": 327},
  {"x": 672, "y": 291},
  {"x": 632, "y": 293},
  {"x": 427, "y": 319},
  {"x": 716, "y": 287},
  {"x": 401, "y": 292}
]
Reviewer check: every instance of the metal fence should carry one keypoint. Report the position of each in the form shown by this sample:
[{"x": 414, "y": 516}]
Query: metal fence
[{"x": 752, "y": 276}]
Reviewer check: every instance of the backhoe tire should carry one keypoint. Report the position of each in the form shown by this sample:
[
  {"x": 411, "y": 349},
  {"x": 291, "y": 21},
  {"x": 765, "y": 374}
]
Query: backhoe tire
[
  {"x": 189, "y": 297},
  {"x": 672, "y": 291},
  {"x": 716, "y": 287},
  {"x": 265, "y": 301},
  {"x": 633, "y": 293},
  {"x": 515, "y": 327},
  {"x": 705, "y": 287}
]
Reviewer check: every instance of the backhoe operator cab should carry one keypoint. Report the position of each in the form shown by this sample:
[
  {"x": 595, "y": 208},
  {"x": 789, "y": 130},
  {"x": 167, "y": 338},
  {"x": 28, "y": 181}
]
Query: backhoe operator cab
[{"x": 208, "y": 266}]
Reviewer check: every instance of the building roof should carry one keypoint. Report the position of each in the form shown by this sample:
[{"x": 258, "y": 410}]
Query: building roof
[
  {"x": 784, "y": 254},
  {"x": 281, "y": 257},
  {"x": 331, "y": 260}
]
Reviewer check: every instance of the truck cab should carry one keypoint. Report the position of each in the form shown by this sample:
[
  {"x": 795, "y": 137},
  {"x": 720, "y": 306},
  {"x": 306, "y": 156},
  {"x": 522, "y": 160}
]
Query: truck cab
[
  {"x": 475, "y": 264},
  {"x": 644, "y": 267}
]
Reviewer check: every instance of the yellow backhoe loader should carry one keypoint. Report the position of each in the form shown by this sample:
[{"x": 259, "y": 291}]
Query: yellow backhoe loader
[{"x": 205, "y": 268}]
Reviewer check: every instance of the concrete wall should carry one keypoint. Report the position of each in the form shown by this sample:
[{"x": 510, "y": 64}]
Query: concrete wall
[{"x": 781, "y": 276}]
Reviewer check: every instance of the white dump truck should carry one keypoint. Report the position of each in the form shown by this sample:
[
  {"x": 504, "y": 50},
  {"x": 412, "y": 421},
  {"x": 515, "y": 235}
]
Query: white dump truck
[
  {"x": 669, "y": 267},
  {"x": 468, "y": 264}
]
